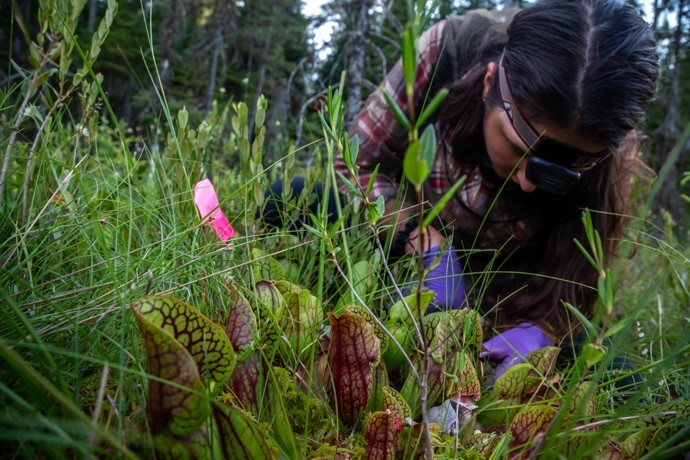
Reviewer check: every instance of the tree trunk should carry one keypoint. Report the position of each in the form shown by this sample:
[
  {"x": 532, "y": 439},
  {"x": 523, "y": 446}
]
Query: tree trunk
[
  {"x": 93, "y": 9},
  {"x": 217, "y": 51},
  {"x": 668, "y": 132},
  {"x": 260, "y": 83},
  {"x": 356, "y": 56}
]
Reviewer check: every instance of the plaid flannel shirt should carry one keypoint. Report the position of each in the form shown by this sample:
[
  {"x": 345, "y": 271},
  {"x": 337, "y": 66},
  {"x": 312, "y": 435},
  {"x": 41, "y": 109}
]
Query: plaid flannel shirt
[{"x": 478, "y": 217}]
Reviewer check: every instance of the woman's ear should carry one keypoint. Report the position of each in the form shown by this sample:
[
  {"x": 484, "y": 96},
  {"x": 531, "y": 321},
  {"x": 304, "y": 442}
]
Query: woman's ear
[{"x": 488, "y": 78}]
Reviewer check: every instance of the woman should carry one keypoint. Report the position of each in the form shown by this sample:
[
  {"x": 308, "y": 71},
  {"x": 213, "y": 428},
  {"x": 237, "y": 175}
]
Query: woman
[{"x": 540, "y": 118}]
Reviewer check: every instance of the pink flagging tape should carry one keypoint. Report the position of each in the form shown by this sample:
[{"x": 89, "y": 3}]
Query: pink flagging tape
[{"x": 206, "y": 202}]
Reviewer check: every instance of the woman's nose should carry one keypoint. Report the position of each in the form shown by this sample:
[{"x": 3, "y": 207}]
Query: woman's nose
[{"x": 525, "y": 183}]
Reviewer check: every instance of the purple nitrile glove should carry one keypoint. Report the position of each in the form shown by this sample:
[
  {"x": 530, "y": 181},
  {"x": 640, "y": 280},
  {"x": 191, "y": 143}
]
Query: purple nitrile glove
[
  {"x": 512, "y": 346},
  {"x": 445, "y": 279}
]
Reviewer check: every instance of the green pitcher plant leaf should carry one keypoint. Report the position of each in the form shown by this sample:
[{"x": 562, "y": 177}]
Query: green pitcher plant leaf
[
  {"x": 298, "y": 321},
  {"x": 635, "y": 445},
  {"x": 178, "y": 403},
  {"x": 266, "y": 267},
  {"x": 584, "y": 400},
  {"x": 484, "y": 443},
  {"x": 437, "y": 386},
  {"x": 381, "y": 434},
  {"x": 511, "y": 384},
  {"x": 353, "y": 351},
  {"x": 396, "y": 404},
  {"x": 376, "y": 328},
  {"x": 398, "y": 313},
  {"x": 671, "y": 423},
  {"x": 379, "y": 382},
  {"x": 529, "y": 422},
  {"x": 468, "y": 387},
  {"x": 240, "y": 325},
  {"x": 544, "y": 359},
  {"x": 655, "y": 425},
  {"x": 205, "y": 340},
  {"x": 269, "y": 303},
  {"x": 454, "y": 330},
  {"x": 239, "y": 437},
  {"x": 393, "y": 356},
  {"x": 498, "y": 406}
]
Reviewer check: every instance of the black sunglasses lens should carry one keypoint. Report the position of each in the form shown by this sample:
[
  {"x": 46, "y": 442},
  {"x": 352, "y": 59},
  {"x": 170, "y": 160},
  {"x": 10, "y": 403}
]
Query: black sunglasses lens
[
  {"x": 564, "y": 155},
  {"x": 551, "y": 177}
]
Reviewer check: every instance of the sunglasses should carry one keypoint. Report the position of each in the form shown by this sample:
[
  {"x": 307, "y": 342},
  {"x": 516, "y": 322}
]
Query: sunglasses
[{"x": 552, "y": 166}]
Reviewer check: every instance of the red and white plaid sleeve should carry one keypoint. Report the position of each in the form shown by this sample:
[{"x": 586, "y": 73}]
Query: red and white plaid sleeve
[{"x": 382, "y": 140}]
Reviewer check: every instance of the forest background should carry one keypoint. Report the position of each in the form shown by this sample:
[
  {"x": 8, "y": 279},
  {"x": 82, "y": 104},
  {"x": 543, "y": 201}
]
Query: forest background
[{"x": 208, "y": 51}]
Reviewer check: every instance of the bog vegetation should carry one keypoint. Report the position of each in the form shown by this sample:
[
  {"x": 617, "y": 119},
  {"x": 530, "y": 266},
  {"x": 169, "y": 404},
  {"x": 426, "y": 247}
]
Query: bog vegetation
[{"x": 130, "y": 330}]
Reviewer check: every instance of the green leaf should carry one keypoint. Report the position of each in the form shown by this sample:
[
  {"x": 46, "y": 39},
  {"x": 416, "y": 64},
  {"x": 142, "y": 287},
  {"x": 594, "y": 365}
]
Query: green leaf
[
  {"x": 428, "y": 142},
  {"x": 511, "y": 384},
  {"x": 313, "y": 230},
  {"x": 409, "y": 57},
  {"x": 350, "y": 186},
  {"x": 327, "y": 129},
  {"x": 622, "y": 325},
  {"x": 392, "y": 355},
  {"x": 182, "y": 118},
  {"x": 206, "y": 341},
  {"x": 397, "y": 111},
  {"x": 372, "y": 179},
  {"x": 592, "y": 354},
  {"x": 586, "y": 323},
  {"x": 354, "y": 150},
  {"x": 415, "y": 170},
  {"x": 438, "y": 207},
  {"x": 431, "y": 107},
  {"x": 260, "y": 116},
  {"x": 436, "y": 385},
  {"x": 583, "y": 402},
  {"x": 40, "y": 81},
  {"x": 398, "y": 312},
  {"x": 377, "y": 209},
  {"x": 34, "y": 58}
]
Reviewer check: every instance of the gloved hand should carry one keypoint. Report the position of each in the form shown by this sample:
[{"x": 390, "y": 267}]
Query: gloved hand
[
  {"x": 512, "y": 346},
  {"x": 445, "y": 279},
  {"x": 451, "y": 415}
]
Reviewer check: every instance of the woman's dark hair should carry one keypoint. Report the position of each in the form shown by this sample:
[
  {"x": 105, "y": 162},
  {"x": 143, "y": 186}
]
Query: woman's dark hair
[{"x": 589, "y": 66}]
